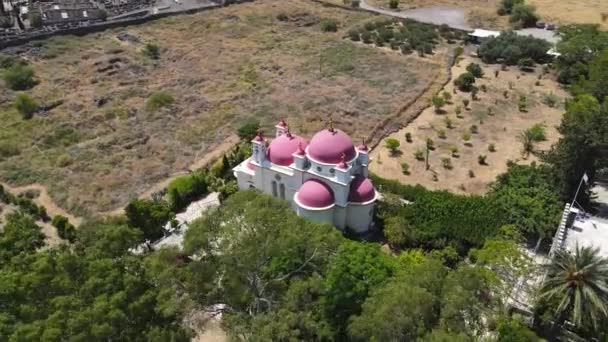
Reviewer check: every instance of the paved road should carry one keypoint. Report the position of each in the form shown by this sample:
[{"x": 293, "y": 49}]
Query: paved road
[{"x": 454, "y": 17}]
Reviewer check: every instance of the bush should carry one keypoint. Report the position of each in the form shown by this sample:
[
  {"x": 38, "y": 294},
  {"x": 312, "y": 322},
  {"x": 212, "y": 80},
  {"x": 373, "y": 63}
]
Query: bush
[
  {"x": 471, "y": 174},
  {"x": 551, "y": 100},
  {"x": 355, "y": 3},
  {"x": 394, "y": 4},
  {"x": 446, "y": 96},
  {"x": 185, "y": 189},
  {"x": 447, "y": 163},
  {"x": 282, "y": 17},
  {"x": 419, "y": 155},
  {"x": 458, "y": 111},
  {"x": 408, "y": 137},
  {"x": 438, "y": 102},
  {"x": 25, "y": 105},
  {"x": 441, "y": 134},
  {"x": 524, "y": 15},
  {"x": 405, "y": 168},
  {"x": 392, "y": 145},
  {"x": 538, "y": 132},
  {"x": 474, "y": 129},
  {"x": 19, "y": 77},
  {"x": 448, "y": 122},
  {"x": 329, "y": 25},
  {"x": 65, "y": 229},
  {"x": 366, "y": 37},
  {"x": 522, "y": 104},
  {"x": 406, "y": 48},
  {"x": 159, "y": 100},
  {"x": 152, "y": 51},
  {"x": 35, "y": 19},
  {"x": 506, "y": 6},
  {"x": 454, "y": 150},
  {"x": 149, "y": 217},
  {"x": 526, "y": 63},
  {"x": 492, "y": 148},
  {"x": 249, "y": 129},
  {"x": 475, "y": 70},
  {"x": 465, "y": 81},
  {"x": 466, "y": 102},
  {"x": 482, "y": 159},
  {"x": 354, "y": 35},
  {"x": 466, "y": 137},
  {"x": 430, "y": 144}
]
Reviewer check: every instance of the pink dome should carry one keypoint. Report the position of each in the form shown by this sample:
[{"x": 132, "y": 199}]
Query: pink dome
[
  {"x": 361, "y": 190},
  {"x": 250, "y": 165},
  {"x": 281, "y": 149},
  {"x": 328, "y": 146},
  {"x": 315, "y": 194}
]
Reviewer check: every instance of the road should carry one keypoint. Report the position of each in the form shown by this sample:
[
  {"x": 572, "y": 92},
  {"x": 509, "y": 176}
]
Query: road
[{"x": 454, "y": 17}]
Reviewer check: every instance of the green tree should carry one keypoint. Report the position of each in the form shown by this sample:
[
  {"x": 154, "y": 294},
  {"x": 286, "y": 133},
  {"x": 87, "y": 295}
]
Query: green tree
[
  {"x": 354, "y": 272},
  {"x": 394, "y": 4},
  {"x": 329, "y": 25},
  {"x": 524, "y": 15},
  {"x": 596, "y": 82},
  {"x": 512, "y": 330},
  {"x": 475, "y": 70},
  {"x": 149, "y": 216},
  {"x": 506, "y": 6},
  {"x": 582, "y": 145},
  {"x": 19, "y": 77},
  {"x": 438, "y": 102},
  {"x": 465, "y": 82},
  {"x": 19, "y": 235},
  {"x": 578, "y": 282},
  {"x": 25, "y": 105},
  {"x": 249, "y": 129},
  {"x": 65, "y": 229},
  {"x": 392, "y": 145},
  {"x": 185, "y": 189}
]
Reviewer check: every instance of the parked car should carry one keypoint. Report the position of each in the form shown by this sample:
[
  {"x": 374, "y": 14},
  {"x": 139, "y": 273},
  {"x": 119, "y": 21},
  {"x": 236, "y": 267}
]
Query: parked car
[
  {"x": 540, "y": 24},
  {"x": 550, "y": 27}
]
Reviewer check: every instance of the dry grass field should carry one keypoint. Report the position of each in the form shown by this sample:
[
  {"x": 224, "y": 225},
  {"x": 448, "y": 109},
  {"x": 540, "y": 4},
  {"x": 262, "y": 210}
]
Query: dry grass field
[
  {"x": 101, "y": 147},
  {"x": 482, "y": 13},
  {"x": 500, "y": 126}
]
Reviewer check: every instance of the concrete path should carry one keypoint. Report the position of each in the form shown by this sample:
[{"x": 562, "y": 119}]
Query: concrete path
[{"x": 454, "y": 17}]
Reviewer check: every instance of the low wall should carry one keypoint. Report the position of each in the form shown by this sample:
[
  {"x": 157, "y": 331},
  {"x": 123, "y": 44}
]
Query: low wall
[{"x": 97, "y": 27}]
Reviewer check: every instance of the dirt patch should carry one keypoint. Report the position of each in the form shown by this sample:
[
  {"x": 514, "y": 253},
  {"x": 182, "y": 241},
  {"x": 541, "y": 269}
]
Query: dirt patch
[
  {"x": 499, "y": 126},
  {"x": 482, "y": 13},
  {"x": 101, "y": 147}
]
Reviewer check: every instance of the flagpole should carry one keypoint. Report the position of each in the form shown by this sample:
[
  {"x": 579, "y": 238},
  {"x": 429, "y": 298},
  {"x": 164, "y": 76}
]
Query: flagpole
[{"x": 578, "y": 189}]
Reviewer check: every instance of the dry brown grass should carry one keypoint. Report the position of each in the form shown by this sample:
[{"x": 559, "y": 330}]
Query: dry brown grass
[
  {"x": 482, "y": 13},
  {"x": 500, "y": 129},
  {"x": 221, "y": 67}
]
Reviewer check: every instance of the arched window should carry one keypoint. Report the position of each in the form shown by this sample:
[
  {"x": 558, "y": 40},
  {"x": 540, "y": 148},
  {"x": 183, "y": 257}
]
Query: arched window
[
  {"x": 282, "y": 190},
  {"x": 274, "y": 188}
]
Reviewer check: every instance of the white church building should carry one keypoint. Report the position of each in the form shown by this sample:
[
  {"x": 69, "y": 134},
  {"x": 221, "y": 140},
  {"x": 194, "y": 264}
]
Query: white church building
[{"x": 325, "y": 180}]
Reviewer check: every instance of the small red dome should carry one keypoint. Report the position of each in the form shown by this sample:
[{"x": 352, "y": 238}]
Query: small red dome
[
  {"x": 281, "y": 149},
  {"x": 315, "y": 194},
  {"x": 327, "y": 146},
  {"x": 282, "y": 123},
  {"x": 250, "y": 165},
  {"x": 361, "y": 190}
]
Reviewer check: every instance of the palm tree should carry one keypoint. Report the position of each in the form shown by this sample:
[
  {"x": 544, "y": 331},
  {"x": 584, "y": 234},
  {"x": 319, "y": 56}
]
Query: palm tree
[
  {"x": 527, "y": 141},
  {"x": 578, "y": 281}
]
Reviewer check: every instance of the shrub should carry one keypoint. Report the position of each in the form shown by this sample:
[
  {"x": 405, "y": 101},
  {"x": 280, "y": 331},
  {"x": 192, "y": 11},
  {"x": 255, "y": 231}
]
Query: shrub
[
  {"x": 526, "y": 63},
  {"x": 430, "y": 144},
  {"x": 63, "y": 160},
  {"x": 465, "y": 81},
  {"x": 159, "y": 100},
  {"x": 405, "y": 168},
  {"x": 408, "y": 137},
  {"x": 448, "y": 122},
  {"x": 329, "y": 25},
  {"x": 483, "y": 88},
  {"x": 185, "y": 189},
  {"x": 35, "y": 20},
  {"x": 406, "y": 48},
  {"x": 537, "y": 132},
  {"x": 446, "y": 96},
  {"x": 65, "y": 229},
  {"x": 551, "y": 100},
  {"x": 355, "y": 3},
  {"x": 366, "y": 37},
  {"x": 152, "y": 51},
  {"x": 441, "y": 134},
  {"x": 481, "y": 159},
  {"x": 438, "y": 102},
  {"x": 392, "y": 145},
  {"x": 249, "y": 129},
  {"x": 19, "y": 77},
  {"x": 474, "y": 92},
  {"x": 522, "y": 104},
  {"x": 474, "y": 129},
  {"x": 454, "y": 151},
  {"x": 447, "y": 163},
  {"x": 466, "y": 137},
  {"x": 490, "y": 111},
  {"x": 496, "y": 73},
  {"x": 524, "y": 15},
  {"x": 466, "y": 102},
  {"x": 458, "y": 111},
  {"x": 475, "y": 70},
  {"x": 492, "y": 148},
  {"x": 419, "y": 155},
  {"x": 25, "y": 105},
  {"x": 506, "y": 6},
  {"x": 393, "y": 4},
  {"x": 282, "y": 17},
  {"x": 354, "y": 35},
  {"x": 471, "y": 174}
]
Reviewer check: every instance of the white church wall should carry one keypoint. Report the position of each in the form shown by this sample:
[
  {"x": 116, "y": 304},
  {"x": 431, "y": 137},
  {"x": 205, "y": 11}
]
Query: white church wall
[
  {"x": 326, "y": 216},
  {"x": 359, "y": 217}
]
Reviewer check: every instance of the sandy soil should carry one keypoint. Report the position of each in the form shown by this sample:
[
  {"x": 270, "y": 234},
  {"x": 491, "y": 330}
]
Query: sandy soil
[{"x": 501, "y": 129}]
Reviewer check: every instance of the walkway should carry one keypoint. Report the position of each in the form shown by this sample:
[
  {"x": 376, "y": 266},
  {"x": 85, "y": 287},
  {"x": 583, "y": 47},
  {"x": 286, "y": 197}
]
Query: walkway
[{"x": 454, "y": 17}]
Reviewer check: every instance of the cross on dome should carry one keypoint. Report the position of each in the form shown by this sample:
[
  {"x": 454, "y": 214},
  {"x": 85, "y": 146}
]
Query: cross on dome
[
  {"x": 342, "y": 164},
  {"x": 258, "y": 136}
]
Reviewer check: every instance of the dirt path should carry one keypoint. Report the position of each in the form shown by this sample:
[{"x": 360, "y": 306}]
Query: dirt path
[{"x": 45, "y": 200}]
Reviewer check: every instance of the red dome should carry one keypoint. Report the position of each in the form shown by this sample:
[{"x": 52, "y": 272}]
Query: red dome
[
  {"x": 250, "y": 165},
  {"x": 361, "y": 190},
  {"x": 328, "y": 146},
  {"x": 281, "y": 149},
  {"x": 315, "y": 194}
]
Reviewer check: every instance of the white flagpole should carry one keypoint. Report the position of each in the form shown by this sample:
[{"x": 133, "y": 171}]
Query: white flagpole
[{"x": 578, "y": 189}]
